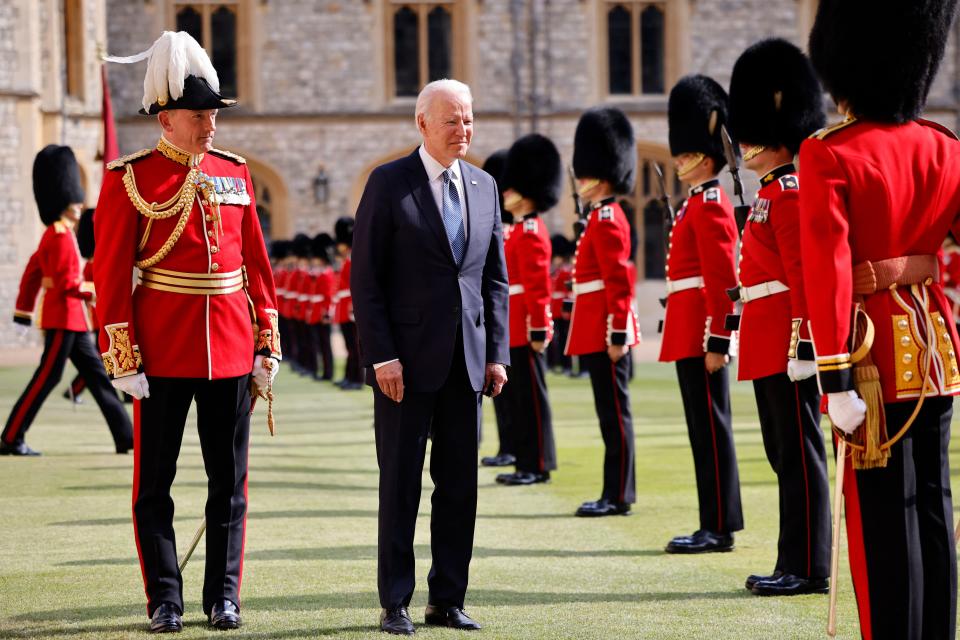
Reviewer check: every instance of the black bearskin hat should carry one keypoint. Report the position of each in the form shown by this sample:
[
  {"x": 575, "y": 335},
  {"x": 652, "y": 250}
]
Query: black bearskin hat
[
  {"x": 323, "y": 247},
  {"x": 56, "y": 182},
  {"x": 302, "y": 244},
  {"x": 561, "y": 246},
  {"x": 775, "y": 98},
  {"x": 85, "y": 234},
  {"x": 279, "y": 249},
  {"x": 533, "y": 169},
  {"x": 494, "y": 166},
  {"x": 343, "y": 230},
  {"x": 695, "y": 111},
  {"x": 880, "y": 56},
  {"x": 604, "y": 148}
]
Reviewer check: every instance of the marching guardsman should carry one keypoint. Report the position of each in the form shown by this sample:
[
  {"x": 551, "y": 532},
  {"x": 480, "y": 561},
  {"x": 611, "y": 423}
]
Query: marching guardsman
[
  {"x": 85, "y": 245},
  {"x": 531, "y": 185},
  {"x": 506, "y": 438},
  {"x": 560, "y": 291},
  {"x": 879, "y": 194},
  {"x": 775, "y": 103},
  {"x": 53, "y": 272},
  {"x": 320, "y": 305},
  {"x": 201, "y": 324},
  {"x": 700, "y": 269},
  {"x": 343, "y": 309},
  {"x": 603, "y": 324}
]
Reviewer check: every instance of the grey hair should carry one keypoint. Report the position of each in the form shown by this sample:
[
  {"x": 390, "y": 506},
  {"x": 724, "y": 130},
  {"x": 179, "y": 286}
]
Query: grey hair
[{"x": 427, "y": 94}]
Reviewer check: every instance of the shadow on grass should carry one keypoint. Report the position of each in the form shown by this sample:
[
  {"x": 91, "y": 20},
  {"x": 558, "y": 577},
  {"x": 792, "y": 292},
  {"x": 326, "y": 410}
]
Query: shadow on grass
[
  {"x": 258, "y": 468},
  {"x": 254, "y": 484}
]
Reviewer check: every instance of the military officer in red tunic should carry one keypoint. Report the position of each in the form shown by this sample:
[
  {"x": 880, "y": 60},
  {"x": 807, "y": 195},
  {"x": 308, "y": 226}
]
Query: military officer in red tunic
[
  {"x": 53, "y": 272},
  {"x": 531, "y": 185},
  {"x": 199, "y": 325},
  {"x": 879, "y": 194},
  {"x": 775, "y": 103},
  {"x": 603, "y": 324},
  {"x": 700, "y": 269}
]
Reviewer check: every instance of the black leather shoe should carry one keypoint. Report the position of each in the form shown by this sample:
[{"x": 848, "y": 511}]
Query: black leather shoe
[
  {"x": 499, "y": 460},
  {"x": 125, "y": 446},
  {"x": 787, "y": 584},
  {"x": 166, "y": 619},
  {"x": 396, "y": 621},
  {"x": 17, "y": 449},
  {"x": 702, "y": 541},
  {"x": 225, "y": 615},
  {"x": 521, "y": 478},
  {"x": 453, "y": 617},
  {"x": 754, "y": 579},
  {"x": 603, "y": 507}
]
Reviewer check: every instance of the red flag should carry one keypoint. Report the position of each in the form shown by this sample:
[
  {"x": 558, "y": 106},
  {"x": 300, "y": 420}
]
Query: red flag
[{"x": 110, "y": 149}]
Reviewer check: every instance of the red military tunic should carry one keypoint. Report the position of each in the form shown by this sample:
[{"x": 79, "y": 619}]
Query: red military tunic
[
  {"x": 528, "y": 253},
  {"x": 603, "y": 312},
  {"x": 321, "y": 293},
  {"x": 281, "y": 276},
  {"x": 860, "y": 202},
  {"x": 343, "y": 309},
  {"x": 560, "y": 289},
  {"x": 54, "y": 271},
  {"x": 773, "y": 326},
  {"x": 700, "y": 257},
  {"x": 208, "y": 304},
  {"x": 297, "y": 293}
]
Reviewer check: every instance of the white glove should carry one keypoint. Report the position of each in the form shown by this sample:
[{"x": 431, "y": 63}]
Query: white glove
[
  {"x": 798, "y": 370},
  {"x": 136, "y": 385},
  {"x": 261, "y": 376},
  {"x": 21, "y": 331},
  {"x": 847, "y": 410}
]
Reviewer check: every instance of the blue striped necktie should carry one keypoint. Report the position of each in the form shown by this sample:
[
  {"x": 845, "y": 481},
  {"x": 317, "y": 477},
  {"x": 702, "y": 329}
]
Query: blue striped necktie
[{"x": 453, "y": 217}]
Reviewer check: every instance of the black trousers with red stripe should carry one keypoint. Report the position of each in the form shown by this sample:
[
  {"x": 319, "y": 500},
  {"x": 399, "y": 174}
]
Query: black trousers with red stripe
[
  {"x": 900, "y": 531},
  {"x": 353, "y": 371},
  {"x": 611, "y": 398},
  {"x": 78, "y": 346},
  {"x": 223, "y": 424},
  {"x": 323, "y": 350},
  {"x": 530, "y": 411},
  {"x": 706, "y": 404},
  {"x": 790, "y": 424}
]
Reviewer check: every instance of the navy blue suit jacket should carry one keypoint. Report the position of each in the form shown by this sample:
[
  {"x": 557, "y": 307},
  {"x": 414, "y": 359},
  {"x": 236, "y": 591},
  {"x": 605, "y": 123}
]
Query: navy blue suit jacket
[{"x": 408, "y": 292}]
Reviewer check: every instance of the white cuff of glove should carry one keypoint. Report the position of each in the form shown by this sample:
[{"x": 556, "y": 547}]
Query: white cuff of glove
[
  {"x": 21, "y": 331},
  {"x": 847, "y": 410},
  {"x": 261, "y": 376},
  {"x": 798, "y": 370},
  {"x": 136, "y": 385}
]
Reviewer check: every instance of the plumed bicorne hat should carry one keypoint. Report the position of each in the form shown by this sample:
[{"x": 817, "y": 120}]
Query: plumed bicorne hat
[
  {"x": 56, "y": 182},
  {"x": 534, "y": 170},
  {"x": 279, "y": 249},
  {"x": 343, "y": 230},
  {"x": 880, "y": 56},
  {"x": 775, "y": 98},
  {"x": 323, "y": 247},
  {"x": 695, "y": 111},
  {"x": 85, "y": 240},
  {"x": 302, "y": 245},
  {"x": 179, "y": 75},
  {"x": 604, "y": 148},
  {"x": 562, "y": 247}
]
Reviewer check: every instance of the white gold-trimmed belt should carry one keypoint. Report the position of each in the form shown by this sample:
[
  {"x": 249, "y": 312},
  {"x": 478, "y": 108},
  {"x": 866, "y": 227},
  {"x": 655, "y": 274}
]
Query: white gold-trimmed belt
[
  {"x": 580, "y": 288},
  {"x": 200, "y": 284},
  {"x": 516, "y": 289},
  {"x": 762, "y": 290},
  {"x": 675, "y": 286}
]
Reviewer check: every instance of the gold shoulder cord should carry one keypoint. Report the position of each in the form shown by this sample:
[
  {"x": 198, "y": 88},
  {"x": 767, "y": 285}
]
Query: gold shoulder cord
[{"x": 181, "y": 203}]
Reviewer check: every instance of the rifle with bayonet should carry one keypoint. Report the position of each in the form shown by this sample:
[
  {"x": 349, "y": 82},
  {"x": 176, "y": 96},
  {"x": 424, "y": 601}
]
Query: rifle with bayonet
[
  {"x": 742, "y": 210},
  {"x": 668, "y": 215}
]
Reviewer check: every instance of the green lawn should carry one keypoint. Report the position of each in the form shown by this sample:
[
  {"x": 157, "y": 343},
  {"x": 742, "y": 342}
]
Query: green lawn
[{"x": 68, "y": 564}]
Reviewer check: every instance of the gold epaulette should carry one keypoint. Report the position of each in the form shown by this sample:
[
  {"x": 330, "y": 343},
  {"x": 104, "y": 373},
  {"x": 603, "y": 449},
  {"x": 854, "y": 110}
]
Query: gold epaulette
[
  {"x": 59, "y": 227},
  {"x": 826, "y": 131},
  {"x": 119, "y": 163},
  {"x": 228, "y": 155}
]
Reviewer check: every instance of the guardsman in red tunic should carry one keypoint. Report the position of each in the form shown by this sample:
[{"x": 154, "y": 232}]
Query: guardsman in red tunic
[
  {"x": 700, "y": 269},
  {"x": 53, "y": 271},
  {"x": 85, "y": 245},
  {"x": 320, "y": 304},
  {"x": 280, "y": 260},
  {"x": 531, "y": 185},
  {"x": 298, "y": 295},
  {"x": 880, "y": 191},
  {"x": 343, "y": 309},
  {"x": 560, "y": 291},
  {"x": 775, "y": 103},
  {"x": 506, "y": 438},
  {"x": 603, "y": 324},
  {"x": 201, "y": 324}
]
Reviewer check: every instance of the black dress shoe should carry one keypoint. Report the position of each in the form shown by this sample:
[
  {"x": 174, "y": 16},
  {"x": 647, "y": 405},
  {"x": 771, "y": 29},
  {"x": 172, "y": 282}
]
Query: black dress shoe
[
  {"x": 603, "y": 507},
  {"x": 17, "y": 449},
  {"x": 396, "y": 621},
  {"x": 787, "y": 584},
  {"x": 499, "y": 460},
  {"x": 702, "y": 541},
  {"x": 522, "y": 478},
  {"x": 125, "y": 446},
  {"x": 166, "y": 619},
  {"x": 453, "y": 617},
  {"x": 754, "y": 579},
  {"x": 225, "y": 615}
]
